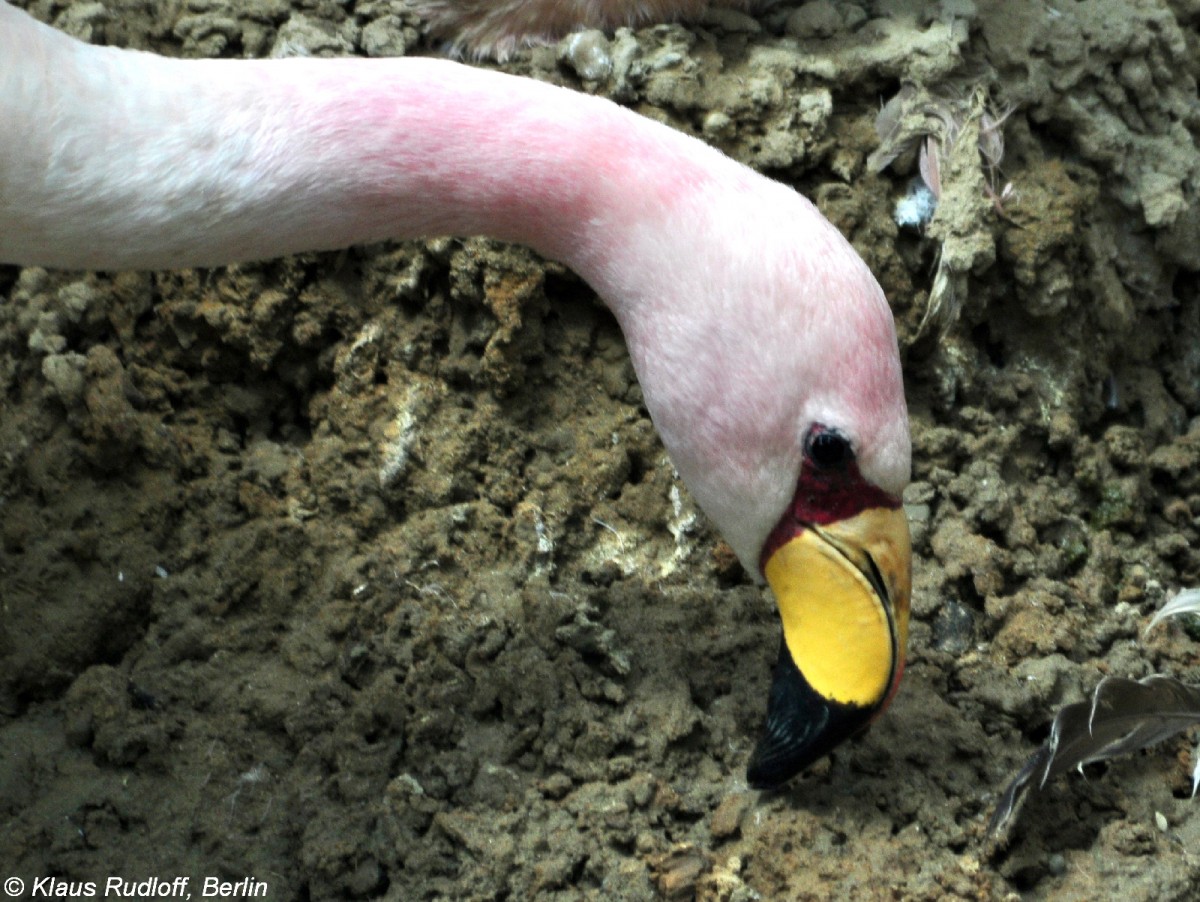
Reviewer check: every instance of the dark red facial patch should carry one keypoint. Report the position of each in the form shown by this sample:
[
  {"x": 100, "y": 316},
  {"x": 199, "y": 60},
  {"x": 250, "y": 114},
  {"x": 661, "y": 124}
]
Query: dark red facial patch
[{"x": 825, "y": 495}]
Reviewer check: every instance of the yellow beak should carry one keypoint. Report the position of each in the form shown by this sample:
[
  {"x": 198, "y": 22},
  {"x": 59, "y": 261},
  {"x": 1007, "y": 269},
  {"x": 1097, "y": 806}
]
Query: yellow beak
[{"x": 843, "y": 594}]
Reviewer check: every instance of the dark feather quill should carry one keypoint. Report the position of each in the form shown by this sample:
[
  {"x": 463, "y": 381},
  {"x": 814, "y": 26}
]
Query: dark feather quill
[{"x": 1123, "y": 716}]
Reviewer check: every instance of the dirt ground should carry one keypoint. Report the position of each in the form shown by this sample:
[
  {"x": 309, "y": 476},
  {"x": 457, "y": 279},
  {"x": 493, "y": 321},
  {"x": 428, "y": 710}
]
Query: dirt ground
[{"x": 365, "y": 575}]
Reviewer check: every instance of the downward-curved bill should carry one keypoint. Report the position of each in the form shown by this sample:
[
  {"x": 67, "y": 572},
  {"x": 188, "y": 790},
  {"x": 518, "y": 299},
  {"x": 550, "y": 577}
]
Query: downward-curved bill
[{"x": 843, "y": 593}]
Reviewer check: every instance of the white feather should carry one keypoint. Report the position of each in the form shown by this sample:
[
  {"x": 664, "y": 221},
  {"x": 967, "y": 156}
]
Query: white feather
[
  {"x": 1186, "y": 602},
  {"x": 1196, "y": 771}
]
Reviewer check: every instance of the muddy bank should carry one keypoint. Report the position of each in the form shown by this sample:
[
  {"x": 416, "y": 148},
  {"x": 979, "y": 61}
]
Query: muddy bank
[{"x": 364, "y": 574}]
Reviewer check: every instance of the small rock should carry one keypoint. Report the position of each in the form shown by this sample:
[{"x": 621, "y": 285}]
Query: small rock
[
  {"x": 677, "y": 872},
  {"x": 953, "y": 628},
  {"x": 587, "y": 53},
  {"x": 819, "y": 19},
  {"x": 385, "y": 37},
  {"x": 64, "y": 372},
  {"x": 303, "y": 35},
  {"x": 555, "y": 786},
  {"x": 727, "y": 819}
]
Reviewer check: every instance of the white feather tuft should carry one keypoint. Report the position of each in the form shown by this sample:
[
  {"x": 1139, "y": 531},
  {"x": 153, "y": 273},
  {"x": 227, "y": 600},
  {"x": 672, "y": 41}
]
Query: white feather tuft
[
  {"x": 1186, "y": 602},
  {"x": 1196, "y": 772}
]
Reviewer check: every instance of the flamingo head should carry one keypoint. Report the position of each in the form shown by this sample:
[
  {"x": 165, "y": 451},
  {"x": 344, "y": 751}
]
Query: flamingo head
[
  {"x": 837, "y": 554},
  {"x": 770, "y": 366},
  {"x": 839, "y": 564}
]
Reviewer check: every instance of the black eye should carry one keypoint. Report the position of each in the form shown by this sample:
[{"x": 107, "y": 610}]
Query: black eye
[{"x": 828, "y": 449}]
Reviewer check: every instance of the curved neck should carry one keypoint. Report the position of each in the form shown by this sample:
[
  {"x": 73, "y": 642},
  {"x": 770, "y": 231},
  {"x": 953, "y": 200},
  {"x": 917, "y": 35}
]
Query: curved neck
[
  {"x": 133, "y": 161},
  {"x": 735, "y": 295}
]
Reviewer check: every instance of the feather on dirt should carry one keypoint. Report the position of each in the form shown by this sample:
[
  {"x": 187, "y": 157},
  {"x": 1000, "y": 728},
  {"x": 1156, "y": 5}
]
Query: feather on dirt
[
  {"x": 1186, "y": 602},
  {"x": 1123, "y": 716},
  {"x": 496, "y": 28}
]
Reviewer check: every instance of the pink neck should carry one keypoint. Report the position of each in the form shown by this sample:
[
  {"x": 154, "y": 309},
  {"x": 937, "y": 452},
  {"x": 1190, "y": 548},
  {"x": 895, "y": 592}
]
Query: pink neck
[
  {"x": 133, "y": 161},
  {"x": 737, "y": 298}
]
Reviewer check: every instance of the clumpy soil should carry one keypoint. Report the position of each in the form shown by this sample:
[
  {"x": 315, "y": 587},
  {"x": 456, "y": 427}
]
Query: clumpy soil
[{"x": 365, "y": 575}]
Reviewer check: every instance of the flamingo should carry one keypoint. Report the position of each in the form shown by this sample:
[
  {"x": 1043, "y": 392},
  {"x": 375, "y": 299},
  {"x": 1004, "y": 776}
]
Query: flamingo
[{"x": 765, "y": 348}]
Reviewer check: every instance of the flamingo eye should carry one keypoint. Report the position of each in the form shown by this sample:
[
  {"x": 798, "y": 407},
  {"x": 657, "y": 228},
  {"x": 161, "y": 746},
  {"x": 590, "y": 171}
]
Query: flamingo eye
[{"x": 829, "y": 449}]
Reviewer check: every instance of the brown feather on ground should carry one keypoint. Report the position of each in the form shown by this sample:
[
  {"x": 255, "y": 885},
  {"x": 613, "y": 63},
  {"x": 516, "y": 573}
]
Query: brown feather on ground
[{"x": 495, "y": 28}]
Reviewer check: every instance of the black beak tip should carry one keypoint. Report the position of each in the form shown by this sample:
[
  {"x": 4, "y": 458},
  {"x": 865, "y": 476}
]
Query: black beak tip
[{"x": 802, "y": 727}]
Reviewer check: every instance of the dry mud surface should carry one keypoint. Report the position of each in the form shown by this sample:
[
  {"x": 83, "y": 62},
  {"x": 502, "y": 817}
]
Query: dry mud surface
[{"x": 365, "y": 575}]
